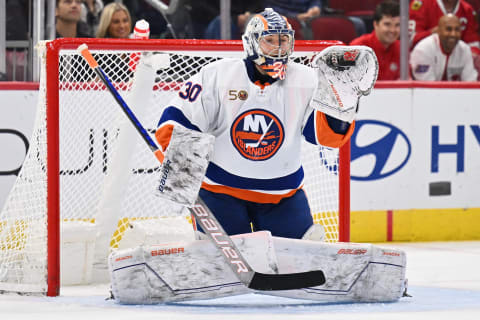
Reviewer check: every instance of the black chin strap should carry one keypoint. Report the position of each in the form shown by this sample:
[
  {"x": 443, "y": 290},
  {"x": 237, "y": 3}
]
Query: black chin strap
[{"x": 254, "y": 75}]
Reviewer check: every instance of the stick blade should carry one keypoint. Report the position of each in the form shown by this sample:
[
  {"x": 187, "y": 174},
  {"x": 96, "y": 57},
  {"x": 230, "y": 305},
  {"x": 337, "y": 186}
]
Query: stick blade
[{"x": 287, "y": 281}]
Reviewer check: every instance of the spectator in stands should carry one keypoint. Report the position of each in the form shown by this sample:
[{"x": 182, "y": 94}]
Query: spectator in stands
[
  {"x": 68, "y": 24},
  {"x": 303, "y": 10},
  {"x": 17, "y": 19},
  {"x": 384, "y": 39},
  {"x": 91, "y": 10},
  {"x": 442, "y": 56},
  {"x": 424, "y": 16},
  {"x": 142, "y": 9},
  {"x": 115, "y": 22},
  {"x": 476, "y": 60},
  {"x": 241, "y": 12},
  {"x": 204, "y": 11},
  {"x": 16, "y": 59}
]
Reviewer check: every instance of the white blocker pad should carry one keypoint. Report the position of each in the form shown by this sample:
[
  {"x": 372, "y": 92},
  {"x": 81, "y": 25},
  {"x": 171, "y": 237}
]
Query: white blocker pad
[
  {"x": 183, "y": 169},
  {"x": 185, "y": 270},
  {"x": 196, "y": 270},
  {"x": 345, "y": 73}
]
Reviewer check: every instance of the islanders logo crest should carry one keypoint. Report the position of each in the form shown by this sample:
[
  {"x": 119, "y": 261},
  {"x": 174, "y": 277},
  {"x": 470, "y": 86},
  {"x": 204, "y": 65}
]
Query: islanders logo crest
[{"x": 257, "y": 134}]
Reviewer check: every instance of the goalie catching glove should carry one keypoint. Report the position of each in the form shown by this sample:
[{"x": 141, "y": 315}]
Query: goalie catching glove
[{"x": 345, "y": 73}]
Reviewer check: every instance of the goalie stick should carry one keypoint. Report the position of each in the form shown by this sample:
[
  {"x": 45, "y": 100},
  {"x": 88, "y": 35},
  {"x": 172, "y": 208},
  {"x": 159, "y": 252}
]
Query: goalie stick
[{"x": 208, "y": 222}]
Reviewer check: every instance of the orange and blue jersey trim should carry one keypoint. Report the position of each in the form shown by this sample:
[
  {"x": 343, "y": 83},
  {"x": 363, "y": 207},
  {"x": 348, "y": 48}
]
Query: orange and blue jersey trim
[
  {"x": 249, "y": 195},
  {"x": 325, "y": 134},
  {"x": 272, "y": 190},
  {"x": 163, "y": 134},
  {"x": 220, "y": 176},
  {"x": 175, "y": 114},
  {"x": 318, "y": 130}
]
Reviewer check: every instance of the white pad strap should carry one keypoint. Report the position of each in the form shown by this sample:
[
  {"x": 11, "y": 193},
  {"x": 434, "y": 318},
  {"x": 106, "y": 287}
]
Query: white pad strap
[
  {"x": 315, "y": 233},
  {"x": 186, "y": 161},
  {"x": 345, "y": 73}
]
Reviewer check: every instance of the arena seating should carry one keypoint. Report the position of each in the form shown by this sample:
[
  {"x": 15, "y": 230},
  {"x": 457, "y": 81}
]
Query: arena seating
[{"x": 333, "y": 28}]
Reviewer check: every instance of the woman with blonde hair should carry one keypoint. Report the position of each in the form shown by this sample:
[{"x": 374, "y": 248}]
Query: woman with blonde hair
[{"x": 115, "y": 22}]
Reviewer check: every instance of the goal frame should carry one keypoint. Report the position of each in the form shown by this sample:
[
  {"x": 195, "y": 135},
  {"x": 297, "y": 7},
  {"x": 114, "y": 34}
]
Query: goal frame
[{"x": 53, "y": 49}]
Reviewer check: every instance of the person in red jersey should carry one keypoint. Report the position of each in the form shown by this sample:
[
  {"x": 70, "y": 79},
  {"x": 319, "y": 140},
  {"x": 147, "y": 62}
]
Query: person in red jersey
[
  {"x": 384, "y": 39},
  {"x": 424, "y": 16}
]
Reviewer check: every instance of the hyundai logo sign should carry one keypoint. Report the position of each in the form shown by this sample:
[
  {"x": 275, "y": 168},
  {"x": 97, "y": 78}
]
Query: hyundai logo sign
[{"x": 379, "y": 146}]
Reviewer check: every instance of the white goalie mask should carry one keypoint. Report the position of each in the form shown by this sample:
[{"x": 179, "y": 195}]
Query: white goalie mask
[{"x": 268, "y": 42}]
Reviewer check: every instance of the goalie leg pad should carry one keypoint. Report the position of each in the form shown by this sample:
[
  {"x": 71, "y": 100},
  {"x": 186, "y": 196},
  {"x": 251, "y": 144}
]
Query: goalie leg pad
[
  {"x": 354, "y": 272},
  {"x": 133, "y": 280},
  {"x": 196, "y": 270},
  {"x": 183, "y": 169},
  {"x": 185, "y": 270}
]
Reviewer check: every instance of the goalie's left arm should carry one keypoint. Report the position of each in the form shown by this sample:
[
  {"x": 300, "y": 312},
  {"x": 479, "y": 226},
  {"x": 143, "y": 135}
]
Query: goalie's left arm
[
  {"x": 344, "y": 74},
  {"x": 320, "y": 128}
]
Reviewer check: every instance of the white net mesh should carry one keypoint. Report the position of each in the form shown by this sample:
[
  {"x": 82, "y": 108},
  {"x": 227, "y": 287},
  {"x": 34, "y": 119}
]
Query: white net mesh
[
  {"x": 23, "y": 233},
  {"x": 107, "y": 174}
]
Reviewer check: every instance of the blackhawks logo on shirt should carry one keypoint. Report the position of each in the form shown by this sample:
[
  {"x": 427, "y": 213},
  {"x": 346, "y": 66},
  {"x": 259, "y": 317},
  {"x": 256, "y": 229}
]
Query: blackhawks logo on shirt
[{"x": 416, "y": 4}]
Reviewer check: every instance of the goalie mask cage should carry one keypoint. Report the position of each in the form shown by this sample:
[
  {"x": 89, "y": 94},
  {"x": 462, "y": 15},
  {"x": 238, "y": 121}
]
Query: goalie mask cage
[{"x": 81, "y": 168}]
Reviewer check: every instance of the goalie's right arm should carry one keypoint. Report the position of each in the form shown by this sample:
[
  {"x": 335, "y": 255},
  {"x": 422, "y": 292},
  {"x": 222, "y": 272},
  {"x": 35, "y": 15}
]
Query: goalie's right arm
[
  {"x": 187, "y": 109},
  {"x": 171, "y": 117}
]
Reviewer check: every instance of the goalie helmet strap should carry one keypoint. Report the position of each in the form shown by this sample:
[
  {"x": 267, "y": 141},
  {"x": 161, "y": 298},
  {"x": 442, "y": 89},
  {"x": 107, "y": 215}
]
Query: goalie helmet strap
[{"x": 255, "y": 76}]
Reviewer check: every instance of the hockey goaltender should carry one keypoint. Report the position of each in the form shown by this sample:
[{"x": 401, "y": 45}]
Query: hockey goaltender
[{"x": 318, "y": 102}]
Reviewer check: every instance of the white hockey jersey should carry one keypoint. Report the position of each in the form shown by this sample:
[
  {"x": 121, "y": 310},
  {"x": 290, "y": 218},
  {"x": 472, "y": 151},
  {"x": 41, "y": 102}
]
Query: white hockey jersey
[
  {"x": 258, "y": 128},
  {"x": 430, "y": 63}
]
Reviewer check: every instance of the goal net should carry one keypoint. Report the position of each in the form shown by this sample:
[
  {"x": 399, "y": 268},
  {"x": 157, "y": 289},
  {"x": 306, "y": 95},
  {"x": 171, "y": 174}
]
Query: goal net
[{"x": 88, "y": 175}]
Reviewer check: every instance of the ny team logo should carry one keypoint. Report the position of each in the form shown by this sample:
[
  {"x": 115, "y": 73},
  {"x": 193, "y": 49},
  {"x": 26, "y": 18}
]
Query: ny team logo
[{"x": 257, "y": 134}]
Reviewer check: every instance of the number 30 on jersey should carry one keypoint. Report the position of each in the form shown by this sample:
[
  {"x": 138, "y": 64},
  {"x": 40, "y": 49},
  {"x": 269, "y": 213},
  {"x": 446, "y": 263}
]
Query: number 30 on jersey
[{"x": 190, "y": 91}]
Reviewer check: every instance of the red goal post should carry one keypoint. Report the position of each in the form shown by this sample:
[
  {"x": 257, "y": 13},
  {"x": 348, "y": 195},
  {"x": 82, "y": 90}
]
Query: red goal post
[{"x": 76, "y": 134}]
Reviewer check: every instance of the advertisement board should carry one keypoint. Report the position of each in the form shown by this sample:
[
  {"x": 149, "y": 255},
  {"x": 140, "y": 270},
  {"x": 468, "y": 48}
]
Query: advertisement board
[
  {"x": 417, "y": 148},
  {"x": 17, "y": 113},
  {"x": 415, "y": 159}
]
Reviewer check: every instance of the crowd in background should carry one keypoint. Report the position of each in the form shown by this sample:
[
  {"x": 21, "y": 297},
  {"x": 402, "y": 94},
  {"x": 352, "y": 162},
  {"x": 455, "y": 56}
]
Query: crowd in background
[{"x": 444, "y": 35}]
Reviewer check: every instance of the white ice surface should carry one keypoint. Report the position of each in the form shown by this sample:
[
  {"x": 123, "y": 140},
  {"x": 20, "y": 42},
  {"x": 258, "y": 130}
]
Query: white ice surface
[{"x": 444, "y": 281}]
